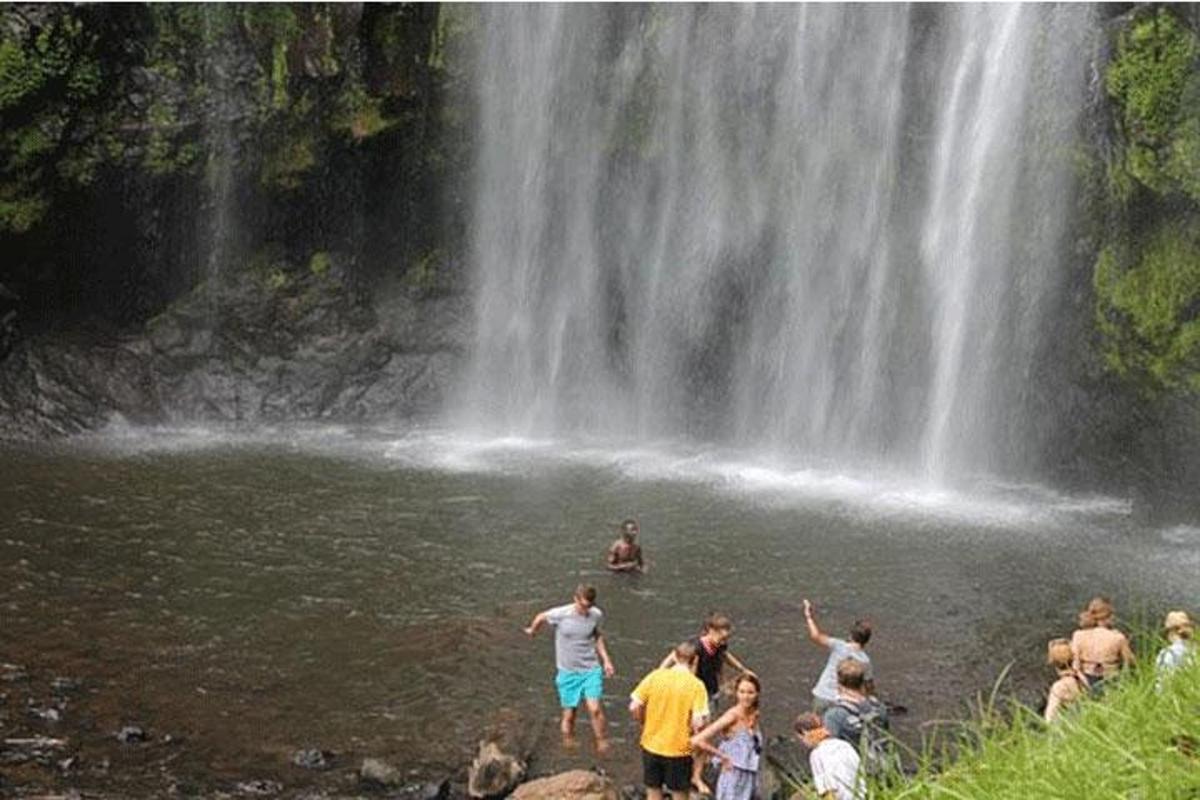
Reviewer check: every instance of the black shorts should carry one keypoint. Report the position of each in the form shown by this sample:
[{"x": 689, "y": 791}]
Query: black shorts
[{"x": 674, "y": 773}]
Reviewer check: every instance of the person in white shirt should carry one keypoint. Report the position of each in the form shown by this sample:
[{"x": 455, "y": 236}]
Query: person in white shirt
[
  {"x": 834, "y": 762},
  {"x": 1180, "y": 646}
]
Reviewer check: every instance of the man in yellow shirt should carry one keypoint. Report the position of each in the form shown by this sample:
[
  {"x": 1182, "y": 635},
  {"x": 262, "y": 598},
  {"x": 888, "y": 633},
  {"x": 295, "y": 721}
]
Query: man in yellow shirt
[{"x": 671, "y": 703}]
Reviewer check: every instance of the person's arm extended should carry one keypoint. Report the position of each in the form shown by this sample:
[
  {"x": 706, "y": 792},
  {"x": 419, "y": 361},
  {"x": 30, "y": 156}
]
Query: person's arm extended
[
  {"x": 736, "y": 662},
  {"x": 537, "y": 623},
  {"x": 703, "y": 739},
  {"x": 602, "y": 651},
  {"x": 814, "y": 633},
  {"x": 669, "y": 661}
]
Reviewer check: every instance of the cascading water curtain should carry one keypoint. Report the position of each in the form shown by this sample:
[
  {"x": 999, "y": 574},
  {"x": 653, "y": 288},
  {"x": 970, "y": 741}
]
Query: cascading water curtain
[{"x": 824, "y": 232}]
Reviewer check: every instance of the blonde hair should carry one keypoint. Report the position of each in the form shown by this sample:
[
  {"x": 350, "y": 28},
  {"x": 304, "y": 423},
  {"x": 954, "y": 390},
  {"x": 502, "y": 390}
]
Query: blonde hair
[
  {"x": 1059, "y": 655},
  {"x": 1178, "y": 623},
  {"x": 1097, "y": 614}
]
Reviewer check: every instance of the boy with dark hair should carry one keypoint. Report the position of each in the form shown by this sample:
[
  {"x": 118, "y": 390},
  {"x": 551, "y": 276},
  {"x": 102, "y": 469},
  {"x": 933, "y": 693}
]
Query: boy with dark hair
[
  {"x": 625, "y": 555},
  {"x": 825, "y": 692},
  {"x": 582, "y": 660},
  {"x": 712, "y": 652},
  {"x": 672, "y": 704}
]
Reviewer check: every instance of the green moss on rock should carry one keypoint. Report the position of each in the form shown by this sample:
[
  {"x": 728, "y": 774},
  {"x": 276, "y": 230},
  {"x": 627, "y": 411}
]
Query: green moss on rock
[
  {"x": 1154, "y": 83},
  {"x": 1148, "y": 308}
]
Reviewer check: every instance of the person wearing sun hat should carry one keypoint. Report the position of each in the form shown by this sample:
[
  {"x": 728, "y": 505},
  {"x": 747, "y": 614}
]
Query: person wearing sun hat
[{"x": 1180, "y": 647}]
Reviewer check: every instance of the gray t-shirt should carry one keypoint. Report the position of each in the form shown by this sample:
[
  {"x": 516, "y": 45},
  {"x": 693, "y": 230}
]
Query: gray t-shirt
[
  {"x": 826, "y": 688},
  {"x": 575, "y": 637}
]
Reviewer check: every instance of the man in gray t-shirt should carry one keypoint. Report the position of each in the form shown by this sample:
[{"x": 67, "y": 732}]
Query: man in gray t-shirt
[
  {"x": 825, "y": 692},
  {"x": 582, "y": 661}
]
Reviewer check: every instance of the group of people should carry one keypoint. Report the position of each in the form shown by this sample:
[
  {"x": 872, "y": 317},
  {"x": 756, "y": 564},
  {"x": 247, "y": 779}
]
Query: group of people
[
  {"x": 845, "y": 733},
  {"x": 1097, "y": 652},
  {"x": 678, "y": 703}
]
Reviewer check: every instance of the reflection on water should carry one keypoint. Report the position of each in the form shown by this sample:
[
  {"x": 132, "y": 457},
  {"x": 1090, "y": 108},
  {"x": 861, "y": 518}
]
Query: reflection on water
[{"x": 364, "y": 592}]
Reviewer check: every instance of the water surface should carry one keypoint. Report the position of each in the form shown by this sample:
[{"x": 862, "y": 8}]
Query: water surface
[{"x": 255, "y": 592}]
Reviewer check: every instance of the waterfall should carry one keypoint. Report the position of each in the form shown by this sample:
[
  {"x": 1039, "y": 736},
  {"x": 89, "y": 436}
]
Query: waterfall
[{"x": 825, "y": 232}]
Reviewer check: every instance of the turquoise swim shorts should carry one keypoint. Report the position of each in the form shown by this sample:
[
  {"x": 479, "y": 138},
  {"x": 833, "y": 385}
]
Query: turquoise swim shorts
[{"x": 573, "y": 687}]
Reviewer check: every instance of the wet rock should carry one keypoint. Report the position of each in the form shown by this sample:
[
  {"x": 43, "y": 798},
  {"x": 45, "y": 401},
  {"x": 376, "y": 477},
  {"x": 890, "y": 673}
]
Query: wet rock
[
  {"x": 494, "y": 772},
  {"x": 131, "y": 734},
  {"x": 579, "y": 784},
  {"x": 40, "y": 749},
  {"x": 423, "y": 791},
  {"x": 378, "y": 773},
  {"x": 50, "y": 714},
  {"x": 63, "y": 686},
  {"x": 633, "y": 791},
  {"x": 13, "y": 673},
  {"x": 312, "y": 758},
  {"x": 259, "y": 788}
]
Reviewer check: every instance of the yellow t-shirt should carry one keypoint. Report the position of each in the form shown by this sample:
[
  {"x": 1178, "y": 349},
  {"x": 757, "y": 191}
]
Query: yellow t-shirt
[{"x": 673, "y": 698}]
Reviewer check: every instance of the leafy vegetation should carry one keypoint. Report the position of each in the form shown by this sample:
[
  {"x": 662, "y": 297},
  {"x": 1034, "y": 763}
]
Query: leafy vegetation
[
  {"x": 1147, "y": 274},
  {"x": 1136, "y": 742}
]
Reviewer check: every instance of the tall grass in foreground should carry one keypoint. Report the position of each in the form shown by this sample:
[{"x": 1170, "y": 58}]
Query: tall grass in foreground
[{"x": 1135, "y": 743}]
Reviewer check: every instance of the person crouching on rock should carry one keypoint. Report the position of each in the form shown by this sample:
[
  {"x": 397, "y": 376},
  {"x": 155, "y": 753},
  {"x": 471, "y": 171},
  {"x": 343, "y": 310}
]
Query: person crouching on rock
[
  {"x": 582, "y": 660},
  {"x": 625, "y": 555},
  {"x": 672, "y": 704}
]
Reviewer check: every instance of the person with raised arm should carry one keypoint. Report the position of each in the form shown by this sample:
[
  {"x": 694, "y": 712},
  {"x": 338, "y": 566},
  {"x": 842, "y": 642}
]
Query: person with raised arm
[
  {"x": 582, "y": 661},
  {"x": 825, "y": 692}
]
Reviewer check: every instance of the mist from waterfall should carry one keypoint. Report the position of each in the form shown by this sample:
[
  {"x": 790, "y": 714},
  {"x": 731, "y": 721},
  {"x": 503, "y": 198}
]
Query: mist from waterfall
[{"x": 824, "y": 232}]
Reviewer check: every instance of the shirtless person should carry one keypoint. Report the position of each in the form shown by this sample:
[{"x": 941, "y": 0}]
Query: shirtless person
[
  {"x": 1100, "y": 651},
  {"x": 625, "y": 555}
]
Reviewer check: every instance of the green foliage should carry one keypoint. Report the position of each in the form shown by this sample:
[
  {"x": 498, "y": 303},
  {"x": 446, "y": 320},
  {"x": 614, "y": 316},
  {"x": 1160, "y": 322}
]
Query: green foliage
[
  {"x": 48, "y": 76},
  {"x": 360, "y": 115},
  {"x": 1154, "y": 82},
  {"x": 1148, "y": 309},
  {"x": 319, "y": 263},
  {"x": 1136, "y": 742},
  {"x": 285, "y": 166}
]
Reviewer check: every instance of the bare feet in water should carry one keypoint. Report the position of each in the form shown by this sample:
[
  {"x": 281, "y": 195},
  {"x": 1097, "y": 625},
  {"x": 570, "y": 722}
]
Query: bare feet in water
[
  {"x": 570, "y": 743},
  {"x": 602, "y": 747}
]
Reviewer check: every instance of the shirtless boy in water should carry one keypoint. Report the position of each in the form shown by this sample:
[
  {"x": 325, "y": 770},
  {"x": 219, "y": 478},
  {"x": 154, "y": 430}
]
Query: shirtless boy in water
[{"x": 625, "y": 555}]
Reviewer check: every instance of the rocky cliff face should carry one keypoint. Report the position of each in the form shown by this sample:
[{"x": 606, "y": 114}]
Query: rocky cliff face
[{"x": 257, "y": 351}]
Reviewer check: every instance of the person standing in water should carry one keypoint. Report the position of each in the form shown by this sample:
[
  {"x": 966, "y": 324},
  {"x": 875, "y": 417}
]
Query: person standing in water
[
  {"x": 825, "y": 692},
  {"x": 625, "y": 555},
  {"x": 671, "y": 704},
  {"x": 582, "y": 660},
  {"x": 742, "y": 744},
  {"x": 1099, "y": 650},
  {"x": 712, "y": 652}
]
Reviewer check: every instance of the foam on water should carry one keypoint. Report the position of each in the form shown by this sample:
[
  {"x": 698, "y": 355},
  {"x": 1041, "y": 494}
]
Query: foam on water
[{"x": 862, "y": 491}]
